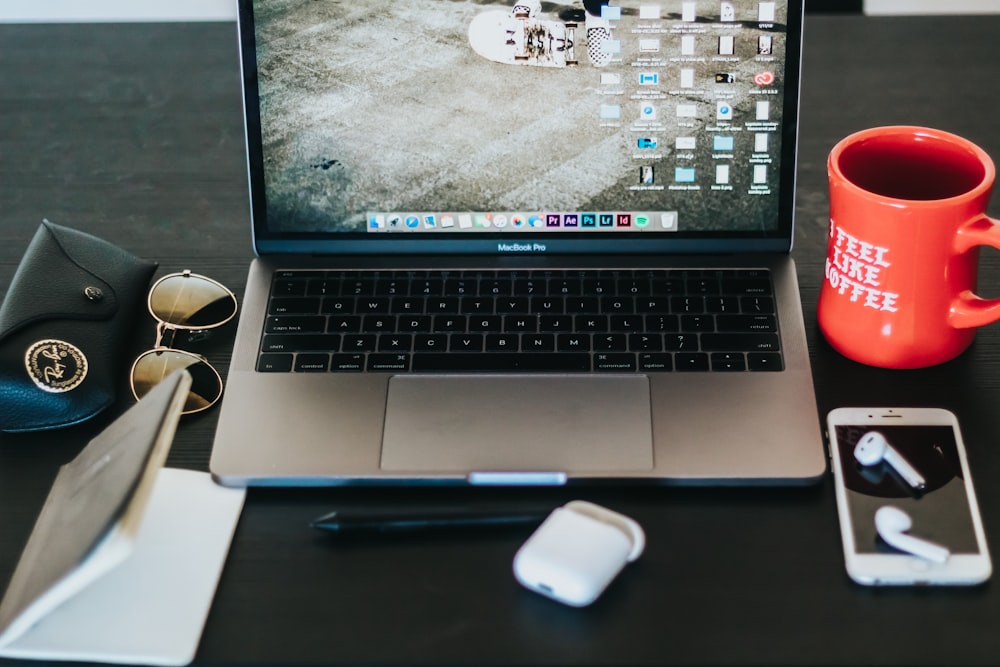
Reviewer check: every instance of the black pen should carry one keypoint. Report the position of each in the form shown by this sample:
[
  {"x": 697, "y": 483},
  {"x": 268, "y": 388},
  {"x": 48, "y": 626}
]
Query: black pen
[{"x": 349, "y": 521}]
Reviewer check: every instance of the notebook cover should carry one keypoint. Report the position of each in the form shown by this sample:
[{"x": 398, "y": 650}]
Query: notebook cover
[{"x": 93, "y": 512}]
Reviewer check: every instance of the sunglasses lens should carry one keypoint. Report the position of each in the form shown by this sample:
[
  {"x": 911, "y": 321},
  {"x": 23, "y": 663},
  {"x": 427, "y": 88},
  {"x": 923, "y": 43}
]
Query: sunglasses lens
[
  {"x": 152, "y": 367},
  {"x": 191, "y": 301}
]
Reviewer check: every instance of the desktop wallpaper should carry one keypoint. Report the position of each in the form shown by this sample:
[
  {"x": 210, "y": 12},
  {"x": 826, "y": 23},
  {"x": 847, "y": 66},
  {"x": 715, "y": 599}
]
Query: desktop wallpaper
[{"x": 374, "y": 105}]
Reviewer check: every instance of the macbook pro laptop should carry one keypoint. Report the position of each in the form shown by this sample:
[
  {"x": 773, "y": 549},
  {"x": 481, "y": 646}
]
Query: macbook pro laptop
[{"x": 520, "y": 243}]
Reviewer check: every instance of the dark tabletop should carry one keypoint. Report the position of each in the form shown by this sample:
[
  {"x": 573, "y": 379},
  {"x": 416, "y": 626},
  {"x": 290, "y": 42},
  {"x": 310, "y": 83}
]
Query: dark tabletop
[{"x": 134, "y": 133}]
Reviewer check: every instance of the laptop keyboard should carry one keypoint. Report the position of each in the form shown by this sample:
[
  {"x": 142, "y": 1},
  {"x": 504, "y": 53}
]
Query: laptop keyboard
[{"x": 646, "y": 321}]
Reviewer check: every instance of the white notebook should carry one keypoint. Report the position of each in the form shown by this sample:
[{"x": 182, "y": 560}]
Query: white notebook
[{"x": 123, "y": 563}]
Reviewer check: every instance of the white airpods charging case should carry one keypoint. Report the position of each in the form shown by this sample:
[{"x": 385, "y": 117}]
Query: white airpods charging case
[{"x": 577, "y": 551}]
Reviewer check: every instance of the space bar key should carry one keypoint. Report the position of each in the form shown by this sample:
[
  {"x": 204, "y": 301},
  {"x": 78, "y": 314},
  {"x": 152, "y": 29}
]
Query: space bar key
[{"x": 500, "y": 362}]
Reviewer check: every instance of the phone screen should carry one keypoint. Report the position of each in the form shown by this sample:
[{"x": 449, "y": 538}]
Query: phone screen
[{"x": 940, "y": 513}]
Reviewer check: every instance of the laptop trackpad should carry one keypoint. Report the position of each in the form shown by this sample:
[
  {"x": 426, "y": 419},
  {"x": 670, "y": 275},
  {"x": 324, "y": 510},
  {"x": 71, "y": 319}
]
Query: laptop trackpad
[{"x": 517, "y": 423}]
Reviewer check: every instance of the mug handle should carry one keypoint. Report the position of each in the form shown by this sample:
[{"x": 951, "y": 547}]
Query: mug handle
[{"x": 970, "y": 310}]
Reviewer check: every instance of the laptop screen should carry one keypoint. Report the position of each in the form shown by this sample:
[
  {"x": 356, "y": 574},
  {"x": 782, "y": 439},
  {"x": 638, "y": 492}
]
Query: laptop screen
[{"x": 521, "y": 126}]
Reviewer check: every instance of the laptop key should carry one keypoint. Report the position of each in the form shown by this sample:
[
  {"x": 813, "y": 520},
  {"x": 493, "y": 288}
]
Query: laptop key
[
  {"x": 359, "y": 343},
  {"x": 611, "y": 342},
  {"x": 299, "y": 342},
  {"x": 746, "y": 323},
  {"x": 626, "y": 323},
  {"x": 662, "y": 323},
  {"x": 666, "y": 286},
  {"x": 655, "y": 362},
  {"x": 411, "y": 305},
  {"x": 525, "y": 286},
  {"x": 633, "y": 286},
  {"x": 681, "y": 342},
  {"x": 477, "y": 305},
  {"x": 696, "y": 323},
  {"x": 431, "y": 287},
  {"x": 338, "y": 305},
  {"x": 652, "y": 304},
  {"x": 358, "y": 287},
  {"x": 538, "y": 342},
  {"x": 445, "y": 305},
  {"x": 728, "y": 361},
  {"x": 496, "y": 287},
  {"x": 295, "y": 324},
  {"x": 502, "y": 342},
  {"x": 388, "y": 362},
  {"x": 548, "y": 305},
  {"x": 764, "y": 361},
  {"x": 450, "y": 323},
  {"x": 466, "y": 342},
  {"x": 591, "y": 323},
  {"x": 520, "y": 323},
  {"x": 456, "y": 287},
  {"x": 378, "y": 323},
  {"x": 485, "y": 323},
  {"x": 501, "y": 362},
  {"x": 748, "y": 342},
  {"x": 565, "y": 287},
  {"x": 687, "y": 304},
  {"x": 555, "y": 323},
  {"x": 573, "y": 342},
  {"x": 612, "y": 362},
  {"x": 618, "y": 305},
  {"x": 394, "y": 287},
  {"x": 509, "y": 305},
  {"x": 703, "y": 286},
  {"x": 375, "y": 304},
  {"x": 294, "y": 306},
  {"x": 645, "y": 342},
  {"x": 274, "y": 363},
  {"x": 344, "y": 324},
  {"x": 347, "y": 363},
  {"x": 691, "y": 361},
  {"x": 747, "y": 286},
  {"x": 430, "y": 342},
  {"x": 288, "y": 287},
  {"x": 395, "y": 342},
  {"x": 311, "y": 363},
  {"x": 722, "y": 304},
  {"x": 757, "y": 304},
  {"x": 576, "y": 305}
]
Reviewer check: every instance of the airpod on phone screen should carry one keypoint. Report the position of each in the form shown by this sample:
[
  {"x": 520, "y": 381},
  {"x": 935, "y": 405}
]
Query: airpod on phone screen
[
  {"x": 891, "y": 523},
  {"x": 873, "y": 448}
]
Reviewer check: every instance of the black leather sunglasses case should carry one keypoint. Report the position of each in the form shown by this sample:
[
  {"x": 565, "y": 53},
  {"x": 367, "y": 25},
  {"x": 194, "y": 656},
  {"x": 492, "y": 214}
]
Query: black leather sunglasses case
[{"x": 64, "y": 327}]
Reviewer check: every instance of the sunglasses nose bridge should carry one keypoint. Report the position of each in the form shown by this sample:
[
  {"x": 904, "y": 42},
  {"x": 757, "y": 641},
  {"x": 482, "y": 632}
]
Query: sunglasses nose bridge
[
  {"x": 166, "y": 335},
  {"x": 162, "y": 328}
]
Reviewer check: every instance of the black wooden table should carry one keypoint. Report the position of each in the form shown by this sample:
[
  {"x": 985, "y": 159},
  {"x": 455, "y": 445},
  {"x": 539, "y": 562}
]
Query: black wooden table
[{"x": 134, "y": 133}]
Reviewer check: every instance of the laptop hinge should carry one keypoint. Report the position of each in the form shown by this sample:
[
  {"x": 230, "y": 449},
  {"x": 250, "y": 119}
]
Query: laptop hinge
[{"x": 517, "y": 478}]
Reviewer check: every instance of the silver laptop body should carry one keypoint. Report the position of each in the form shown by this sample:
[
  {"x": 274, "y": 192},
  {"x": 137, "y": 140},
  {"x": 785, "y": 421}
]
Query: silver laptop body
[{"x": 536, "y": 150}]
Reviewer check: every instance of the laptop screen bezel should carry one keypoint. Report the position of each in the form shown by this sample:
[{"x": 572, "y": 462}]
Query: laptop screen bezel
[{"x": 268, "y": 242}]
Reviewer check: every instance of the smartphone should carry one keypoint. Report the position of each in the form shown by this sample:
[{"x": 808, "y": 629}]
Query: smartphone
[{"x": 921, "y": 470}]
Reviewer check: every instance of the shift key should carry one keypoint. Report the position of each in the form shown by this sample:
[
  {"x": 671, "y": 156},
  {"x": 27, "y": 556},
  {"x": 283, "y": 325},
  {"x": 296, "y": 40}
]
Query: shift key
[
  {"x": 740, "y": 342},
  {"x": 300, "y": 342}
]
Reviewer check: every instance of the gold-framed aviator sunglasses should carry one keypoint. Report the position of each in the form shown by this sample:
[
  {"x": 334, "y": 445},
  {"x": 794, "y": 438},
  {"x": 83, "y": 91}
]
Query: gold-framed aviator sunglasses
[{"x": 193, "y": 304}]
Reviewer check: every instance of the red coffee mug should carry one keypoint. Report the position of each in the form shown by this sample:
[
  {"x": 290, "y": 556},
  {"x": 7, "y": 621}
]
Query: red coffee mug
[{"x": 907, "y": 214}]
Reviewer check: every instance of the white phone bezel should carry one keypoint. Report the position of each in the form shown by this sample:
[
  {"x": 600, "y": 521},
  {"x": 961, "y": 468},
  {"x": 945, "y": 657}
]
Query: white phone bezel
[{"x": 901, "y": 569}]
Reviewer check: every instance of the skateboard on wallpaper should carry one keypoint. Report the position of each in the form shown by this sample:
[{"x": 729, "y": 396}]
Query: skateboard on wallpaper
[{"x": 519, "y": 37}]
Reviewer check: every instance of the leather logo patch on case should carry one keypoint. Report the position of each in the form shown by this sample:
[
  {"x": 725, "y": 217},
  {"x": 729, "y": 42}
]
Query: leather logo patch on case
[{"x": 55, "y": 366}]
